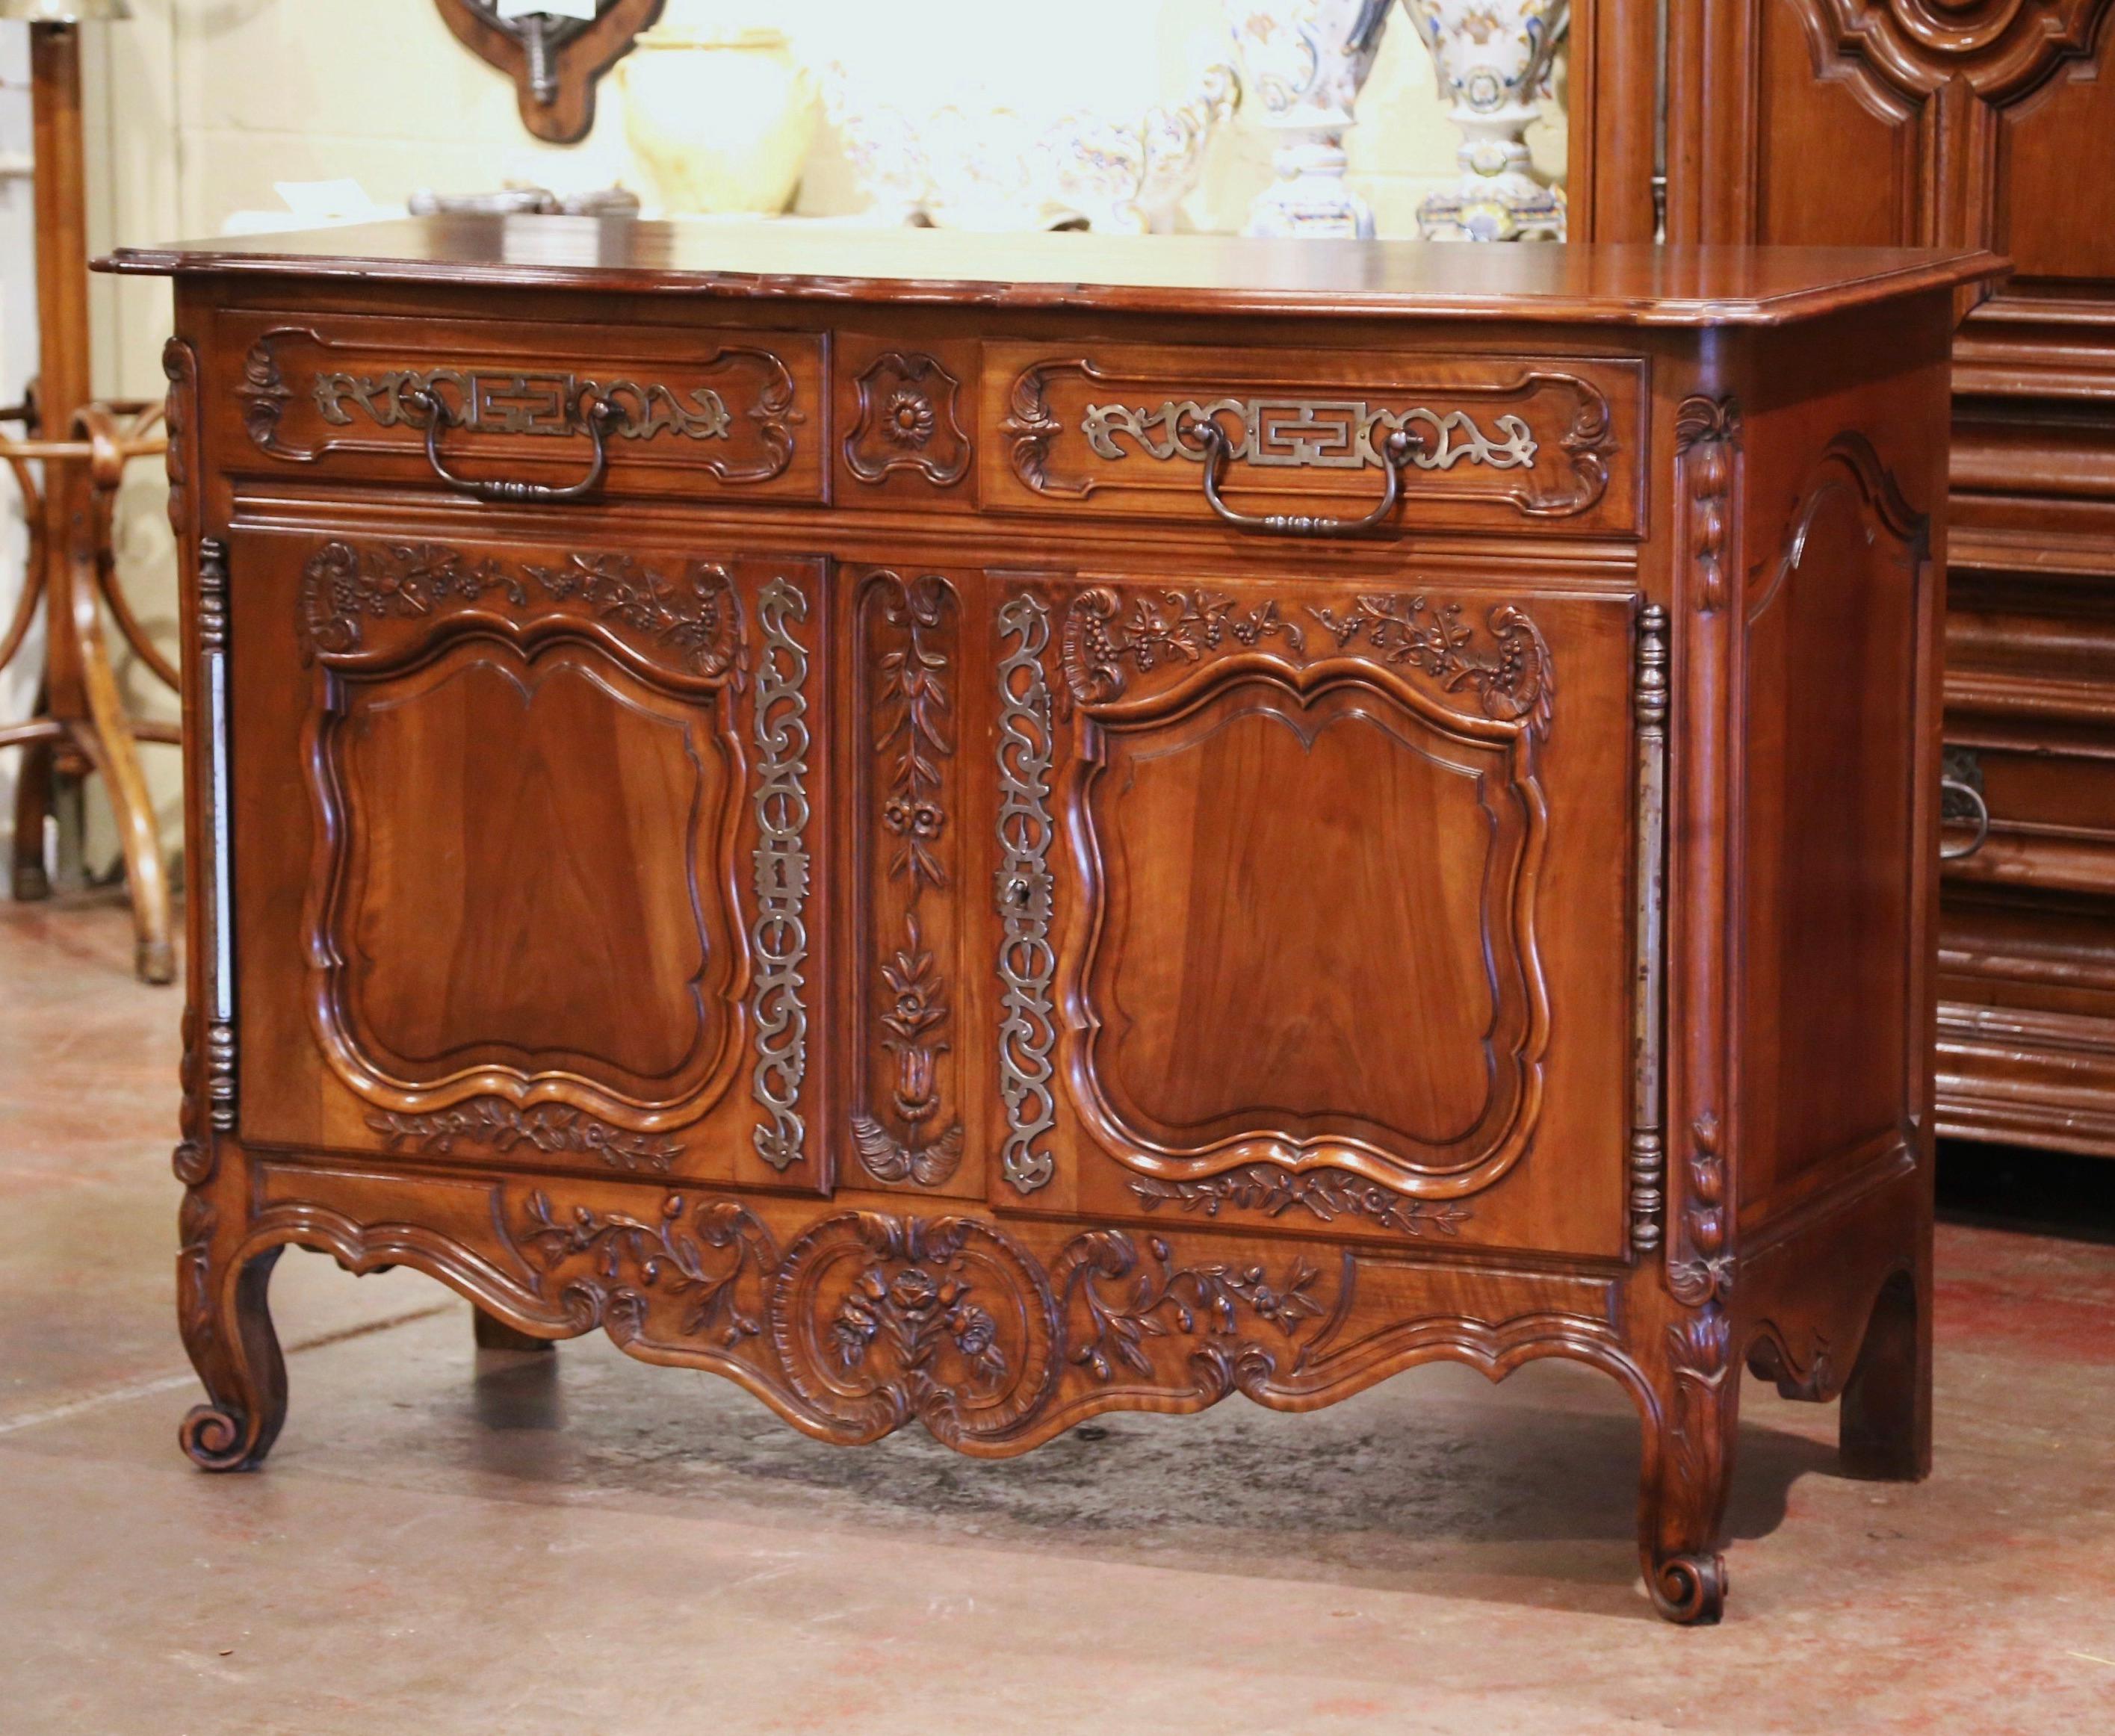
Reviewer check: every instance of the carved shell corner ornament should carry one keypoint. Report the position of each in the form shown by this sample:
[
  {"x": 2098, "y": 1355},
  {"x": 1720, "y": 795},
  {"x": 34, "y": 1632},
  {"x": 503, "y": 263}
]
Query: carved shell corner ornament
[{"x": 1033, "y": 426}]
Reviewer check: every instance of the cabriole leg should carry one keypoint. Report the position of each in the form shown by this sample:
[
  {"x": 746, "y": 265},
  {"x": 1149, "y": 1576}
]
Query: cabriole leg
[
  {"x": 1689, "y": 1468},
  {"x": 1885, "y": 1429},
  {"x": 226, "y": 1324}
]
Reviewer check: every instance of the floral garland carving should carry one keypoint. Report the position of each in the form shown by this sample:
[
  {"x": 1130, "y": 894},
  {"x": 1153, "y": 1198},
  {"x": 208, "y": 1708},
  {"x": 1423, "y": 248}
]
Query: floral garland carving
[
  {"x": 912, "y": 705},
  {"x": 869, "y": 1319},
  {"x": 551, "y": 1129},
  {"x": 1106, "y": 635},
  {"x": 627, "y": 1256},
  {"x": 1325, "y": 1195},
  {"x": 1163, "y": 1299},
  {"x": 697, "y": 616}
]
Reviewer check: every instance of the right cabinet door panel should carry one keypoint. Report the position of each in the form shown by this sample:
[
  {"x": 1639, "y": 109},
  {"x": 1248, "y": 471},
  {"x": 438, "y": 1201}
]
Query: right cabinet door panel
[{"x": 1338, "y": 906}]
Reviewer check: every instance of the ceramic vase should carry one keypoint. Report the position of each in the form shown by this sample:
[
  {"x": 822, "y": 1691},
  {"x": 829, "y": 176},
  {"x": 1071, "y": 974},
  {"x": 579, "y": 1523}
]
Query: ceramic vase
[
  {"x": 719, "y": 111},
  {"x": 1493, "y": 57},
  {"x": 1304, "y": 63}
]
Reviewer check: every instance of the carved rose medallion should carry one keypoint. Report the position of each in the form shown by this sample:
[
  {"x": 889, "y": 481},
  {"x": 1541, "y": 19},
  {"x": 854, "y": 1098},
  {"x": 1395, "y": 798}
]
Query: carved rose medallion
[{"x": 878, "y": 1318}]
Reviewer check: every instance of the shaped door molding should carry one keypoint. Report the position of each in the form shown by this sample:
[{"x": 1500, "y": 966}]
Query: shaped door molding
[
  {"x": 615, "y": 681},
  {"x": 1420, "y": 923}
]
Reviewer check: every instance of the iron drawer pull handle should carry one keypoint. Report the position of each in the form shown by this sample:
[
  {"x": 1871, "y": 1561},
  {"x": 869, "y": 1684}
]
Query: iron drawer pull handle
[
  {"x": 1954, "y": 793},
  {"x": 1397, "y": 451},
  {"x": 600, "y": 414}
]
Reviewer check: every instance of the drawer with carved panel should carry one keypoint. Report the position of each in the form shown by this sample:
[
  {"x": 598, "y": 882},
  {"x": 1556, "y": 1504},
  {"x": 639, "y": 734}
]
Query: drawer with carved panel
[
  {"x": 1319, "y": 438},
  {"x": 508, "y": 410}
]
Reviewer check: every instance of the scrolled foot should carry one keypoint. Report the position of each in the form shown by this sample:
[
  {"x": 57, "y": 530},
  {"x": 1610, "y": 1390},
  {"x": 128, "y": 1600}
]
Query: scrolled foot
[
  {"x": 227, "y": 1324},
  {"x": 220, "y": 1441},
  {"x": 1689, "y": 1589}
]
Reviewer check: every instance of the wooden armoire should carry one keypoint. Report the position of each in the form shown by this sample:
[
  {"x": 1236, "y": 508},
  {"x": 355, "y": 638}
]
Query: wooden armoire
[{"x": 1943, "y": 122}]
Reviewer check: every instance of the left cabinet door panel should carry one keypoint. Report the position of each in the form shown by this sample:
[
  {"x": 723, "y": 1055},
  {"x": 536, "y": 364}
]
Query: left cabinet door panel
[{"x": 535, "y": 883}]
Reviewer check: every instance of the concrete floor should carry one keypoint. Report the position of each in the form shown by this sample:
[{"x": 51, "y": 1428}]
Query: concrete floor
[{"x": 447, "y": 1542}]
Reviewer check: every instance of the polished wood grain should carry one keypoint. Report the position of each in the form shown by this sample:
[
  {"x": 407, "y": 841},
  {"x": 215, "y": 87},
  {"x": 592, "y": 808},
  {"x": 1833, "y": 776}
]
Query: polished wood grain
[
  {"x": 1846, "y": 123},
  {"x": 1628, "y": 286},
  {"x": 927, "y": 949}
]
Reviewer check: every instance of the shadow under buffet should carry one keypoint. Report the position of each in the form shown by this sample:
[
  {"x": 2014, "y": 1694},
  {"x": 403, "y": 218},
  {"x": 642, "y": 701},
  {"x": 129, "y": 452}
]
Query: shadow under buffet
[{"x": 1190, "y": 820}]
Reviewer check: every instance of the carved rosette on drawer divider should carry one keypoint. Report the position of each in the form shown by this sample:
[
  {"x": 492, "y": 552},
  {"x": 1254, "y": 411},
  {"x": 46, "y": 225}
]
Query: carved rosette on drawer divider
[
  {"x": 908, "y": 420},
  {"x": 780, "y": 933},
  {"x": 911, "y": 631},
  {"x": 1150, "y": 664}
]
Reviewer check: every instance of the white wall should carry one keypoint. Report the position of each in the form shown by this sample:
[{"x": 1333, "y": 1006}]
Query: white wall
[{"x": 18, "y": 361}]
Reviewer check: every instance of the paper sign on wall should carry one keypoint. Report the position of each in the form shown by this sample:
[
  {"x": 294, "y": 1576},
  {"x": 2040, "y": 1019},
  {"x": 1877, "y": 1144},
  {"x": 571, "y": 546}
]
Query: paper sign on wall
[{"x": 550, "y": 8}]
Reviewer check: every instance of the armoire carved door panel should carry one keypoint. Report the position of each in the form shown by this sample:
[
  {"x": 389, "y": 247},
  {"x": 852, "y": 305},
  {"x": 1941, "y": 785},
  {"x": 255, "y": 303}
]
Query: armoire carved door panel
[
  {"x": 1324, "y": 924},
  {"x": 599, "y": 951},
  {"x": 1909, "y": 122}
]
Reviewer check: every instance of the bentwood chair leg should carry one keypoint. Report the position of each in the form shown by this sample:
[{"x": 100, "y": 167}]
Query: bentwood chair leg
[{"x": 111, "y": 745}]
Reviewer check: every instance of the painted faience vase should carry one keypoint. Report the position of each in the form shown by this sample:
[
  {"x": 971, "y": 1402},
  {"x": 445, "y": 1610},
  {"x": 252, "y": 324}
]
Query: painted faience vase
[{"x": 1493, "y": 57}]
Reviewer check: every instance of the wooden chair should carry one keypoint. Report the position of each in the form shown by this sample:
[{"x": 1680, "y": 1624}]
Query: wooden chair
[{"x": 80, "y": 723}]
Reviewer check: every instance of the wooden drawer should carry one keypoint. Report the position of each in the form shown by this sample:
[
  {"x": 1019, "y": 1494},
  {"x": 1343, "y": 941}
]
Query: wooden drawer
[
  {"x": 2052, "y": 819},
  {"x": 1512, "y": 441},
  {"x": 727, "y": 414}
]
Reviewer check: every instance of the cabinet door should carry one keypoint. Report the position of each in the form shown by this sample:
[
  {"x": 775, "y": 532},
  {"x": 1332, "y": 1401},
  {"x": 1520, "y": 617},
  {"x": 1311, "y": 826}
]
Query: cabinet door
[
  {"x": 525, "y": 829},
  {"x": 1317, "y": 905}
]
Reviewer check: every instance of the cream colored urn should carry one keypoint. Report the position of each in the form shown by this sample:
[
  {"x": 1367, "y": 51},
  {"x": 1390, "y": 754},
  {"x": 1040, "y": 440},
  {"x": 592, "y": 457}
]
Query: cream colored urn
[{"x": 718, "y": 110}]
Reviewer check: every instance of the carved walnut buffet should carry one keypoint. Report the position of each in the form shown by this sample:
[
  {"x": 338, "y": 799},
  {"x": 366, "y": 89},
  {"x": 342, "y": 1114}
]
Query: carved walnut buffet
[{"x": 992, "y": 830}]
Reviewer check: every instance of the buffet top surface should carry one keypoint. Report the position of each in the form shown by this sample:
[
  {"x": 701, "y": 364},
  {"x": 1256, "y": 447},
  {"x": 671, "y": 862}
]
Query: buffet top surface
[{"x": 1598, "y": 283}]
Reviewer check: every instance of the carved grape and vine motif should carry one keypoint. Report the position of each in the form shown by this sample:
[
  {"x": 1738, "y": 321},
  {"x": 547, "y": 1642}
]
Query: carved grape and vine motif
[
  {"x": 1510, "y": 673},
  {"x": 696, "y": 615}
]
